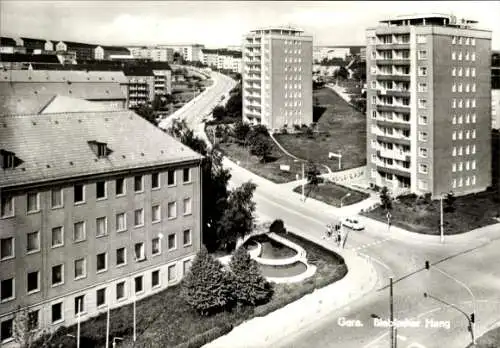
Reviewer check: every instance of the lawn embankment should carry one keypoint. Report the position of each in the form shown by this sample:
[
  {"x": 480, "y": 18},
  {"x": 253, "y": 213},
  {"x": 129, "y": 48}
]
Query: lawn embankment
[{"x": 331, "y": 194}]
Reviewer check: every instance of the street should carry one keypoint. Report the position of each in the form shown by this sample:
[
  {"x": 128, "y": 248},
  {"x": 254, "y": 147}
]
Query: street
[{"x": 473, "y": 260}]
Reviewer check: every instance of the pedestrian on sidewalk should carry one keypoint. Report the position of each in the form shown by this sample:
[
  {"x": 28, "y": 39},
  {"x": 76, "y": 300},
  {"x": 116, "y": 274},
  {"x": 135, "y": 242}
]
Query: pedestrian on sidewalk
[{"x": 328, "y": 232}]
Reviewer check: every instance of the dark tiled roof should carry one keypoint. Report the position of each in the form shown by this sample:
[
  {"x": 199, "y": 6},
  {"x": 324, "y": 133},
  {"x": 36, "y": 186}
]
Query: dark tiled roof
[
  {"x": 55, "y": 146},
  {"x": 7, "y": 41},
  {"x": 159, "y": 65},
  {"x": 116, "y": 49},
  {"x": 137, "y": 70},
  {"x": 28, "y": 39},
  {"x": 29, "y": 58},
  {"x": 79, "y": 44}
]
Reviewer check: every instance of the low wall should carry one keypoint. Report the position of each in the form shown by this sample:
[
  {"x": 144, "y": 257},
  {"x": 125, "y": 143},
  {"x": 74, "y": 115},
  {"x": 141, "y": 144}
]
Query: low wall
[{"x": 348, "y": 175}]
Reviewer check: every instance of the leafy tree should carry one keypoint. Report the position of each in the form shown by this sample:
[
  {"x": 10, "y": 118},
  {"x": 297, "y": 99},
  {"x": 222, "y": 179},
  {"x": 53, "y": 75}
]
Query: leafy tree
[
  {"x": 147, "y": 113},
  {"x": 241, "y": 131},
  {"x": 341, "y": 73},
  {"x": 238, "y": 218},
  {"x": 277, "y": 226},
  {"x": 385, "y": 198},
  {"x": 180, "y": 130},
  {"x": 207, "y": 287},
  {"x": 218, "y": 112},
  {"x": 250, "y": 287},
  {"x": 450, "y": 202},
  {"x": 234, "y": 104},
  {"x": 25, "y": 332},
  {"x": 261, "y": 147},
  {"x": 312, "y": 175}
]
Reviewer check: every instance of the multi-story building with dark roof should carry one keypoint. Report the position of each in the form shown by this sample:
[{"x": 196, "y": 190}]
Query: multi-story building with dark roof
[
  {"x": 429, "y": 105},
  {"x": 140, "y": 85},
  {"x": 90, "y": 219},
  {"x": 104, "y": 52},
  {"x": 19, "y": 61},
  {"x": 83, "y": 51}
]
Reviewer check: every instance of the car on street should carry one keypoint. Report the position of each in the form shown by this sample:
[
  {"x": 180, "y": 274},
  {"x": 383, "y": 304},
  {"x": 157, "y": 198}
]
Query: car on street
[{"x": 353, "y": 224}]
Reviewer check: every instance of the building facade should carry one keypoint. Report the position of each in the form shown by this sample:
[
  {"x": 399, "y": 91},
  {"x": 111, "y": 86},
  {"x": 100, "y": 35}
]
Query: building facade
[
  {"x": 104, "y": 52},
  {"x": 92, "y": 220},
  {"x": 140, "y": 85},
  {"x": 156, "y": 54},
  {"x": 429, "y": 105},
  {"x": 277, "y": 77}
]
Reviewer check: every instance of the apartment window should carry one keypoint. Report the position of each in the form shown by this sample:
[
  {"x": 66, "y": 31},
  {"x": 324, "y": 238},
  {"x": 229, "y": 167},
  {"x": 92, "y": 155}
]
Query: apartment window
[
  {"x": 473, "y": 165},
  {"x": 171, "y": 178},
  {"x": 460, "y": 182},
  {"x": 120, "y": 186},
  {"x": 467, "y": 103},
  {"x": 453, "y": 55},
  {"x": 467, "y": 72},
  {"x": 171, "y": 242},
  {"x": 473, "y": 87},
  {"x": 138, "y": 183},
  {"x": 6, "y": 248},
  {"x": 138, "y": 281},
  {"x": 460, "y": 135},
  {"x": 473, "y": 134},
  {"x": 422, "y": 151},
  {"x": 139, "y": 217},
  {"x": 460, "y": 88},
  {"x": 473, "y": 149},
  {"x": 121, "y": 256},
  {"x": 121, "y": 222},
  {"x": 454, "y": 87},
  {"x": 467, "y": 165},
  {"x": 120, "y": 290},
  {"x": 155, "y": 246},
  {"x": 155, "y": 180},
  {"x": 374, "y": 83},
  {"x": 32, "y": 202},
  {"x": 57, "y": 312},
  {"x": 79, "y": 304},
  {"x": 422, "y": 87},
  {"x": 100, "y": 297},
  {"x": 453, "y": 71},
  {"x": 7, "y": 208},
  {"x": 454, "y": 152},
  {"x": 187, "y": 206},
  {"x": 373, "y": 70},
  {"x": 155, "y": 279},
  {"x": 467, "y": 55},
  {"x": 459, "y": 71},
  {"x": 454, "y": 119},
  {"x": 57, "y": 198},
  {"x": 473, "y": 72},
  {"x": 422, "y": 119},
  {"x": 453, "y": 167},
  {"x": 33, "y": 321},
  {"x": 100, "y": 189},
  {"x": 460, "y": 152},
  {"x": 79, "y": 193},
  {"x": 101, "y": 262},
  {"x": 374, "y": 114},
  {"x": 101, "y": 226},
  {"x": 422, "y": 54},
  {"x": 473, "y": 41},
  {"x": 453, "y": 40},
  {"x": 80, "y": 268},
  {"x": 57, "y": 275},
  {"x": 139, "y": 252},
  {"x": 453, "y": 103},
  {"x": 172, "y": 210},
  {"x": 33, "y": 242},
  {"x": 473, "y": 56},
  {"x": 473, "y": 103},
  {"x": 79, "y": 232},
  {"x": 186, "y": 175},
  {"x": 460, "y": 119},
  {"x": 155, "y": 213},
  {"x": 171, "y": 274},
  {"x": 186, "y": 237},
  {"x": 454, "y": 183},
  {"x": 460, "y": 55},
  {"x": 422, "y": 103},
  {"x": 473, "y": 180},
  {"x": 460, "y": 103},
  {"x": 422, "y": 168},
  {"x": 467, "y": 134},
  {"x": 467, "y": 88},
  {"x": 421, "y": 39},
  {"x": 422, "y": 136},
  {"x": 422, "y": 185}
]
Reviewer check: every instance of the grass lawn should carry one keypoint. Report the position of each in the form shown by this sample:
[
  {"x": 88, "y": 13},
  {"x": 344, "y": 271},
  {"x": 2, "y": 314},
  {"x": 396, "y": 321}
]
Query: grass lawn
[
  {"x": 332, "y": 193},
  {"x": 164, "y": 320},
  {"x": 490, "y": 339},
  {"x": 414, "y": 214},
  {"x": 342, "y": 128}
]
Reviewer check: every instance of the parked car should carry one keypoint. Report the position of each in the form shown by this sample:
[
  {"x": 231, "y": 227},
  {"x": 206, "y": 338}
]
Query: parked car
[{"x": 353, "y": 224}]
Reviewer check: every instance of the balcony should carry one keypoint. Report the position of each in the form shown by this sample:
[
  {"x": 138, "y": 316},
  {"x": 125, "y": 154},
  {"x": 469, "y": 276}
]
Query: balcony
[
  {"x": 392, "y": 46},
  {"x": 392, "y": 61},
  {"x": 253, "y": 77},
  {"x": 253, "y": 44},
  {"x": 393, "y": 107},
  {"x": 395, "y": 154},
  {"x": 394, "y": 139},
  {"x": 394, "y": 123},
  {"x": 394, "y": 171},
  {"x": 393, "y": 77}
]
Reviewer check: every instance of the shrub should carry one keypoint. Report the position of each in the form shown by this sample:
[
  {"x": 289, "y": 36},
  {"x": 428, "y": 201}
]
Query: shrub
[
  {"x": 208, "y": 336},
  {"x": 296, "y": 127},
  {"x": 250, "y": 287},
  {"x": 277, "y": 226},
  {"x": 207, "y": 287}
]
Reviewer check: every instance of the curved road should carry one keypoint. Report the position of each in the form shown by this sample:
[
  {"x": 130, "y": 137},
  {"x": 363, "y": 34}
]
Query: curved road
[{"x": 473, "y": 259}]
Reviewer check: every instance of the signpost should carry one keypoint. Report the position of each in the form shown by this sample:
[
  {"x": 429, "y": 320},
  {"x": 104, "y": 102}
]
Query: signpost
[
  {"x": 336, "y": 155},
  {"x": 388, "y": 216}
]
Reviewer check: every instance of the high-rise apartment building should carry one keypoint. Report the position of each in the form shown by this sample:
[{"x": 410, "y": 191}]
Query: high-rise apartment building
[
  {"x": 91, "y": 220},
  {"x": 429, "y": 105},
  {"x": 277, "y": 77}
]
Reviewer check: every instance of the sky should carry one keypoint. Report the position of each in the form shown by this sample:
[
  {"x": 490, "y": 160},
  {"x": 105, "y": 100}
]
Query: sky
[{"x": 219, "y": 23}]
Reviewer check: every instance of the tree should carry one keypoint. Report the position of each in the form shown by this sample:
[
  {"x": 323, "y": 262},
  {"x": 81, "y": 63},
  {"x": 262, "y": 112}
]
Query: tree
[
  {"x": 250, "y": 287},
  {"x": 180, "y": 130},
  {"x": 341, "y": 73},
  {"x": 147, "y": 113},
  {"x": 261, "y": 147},
  {"x": 25, "y": 331},
  {"x": 234, "y": 104},
  {"x": 238, "y": 218},
  {"x": 450, "y": 203},
  {"x": 312, "y": 175},
  {"x": 207, "y": 287},
  {"x": 218, "y": 112},
  {"x": 241, "y": 131},
  {"x": 385, "y": 198}
]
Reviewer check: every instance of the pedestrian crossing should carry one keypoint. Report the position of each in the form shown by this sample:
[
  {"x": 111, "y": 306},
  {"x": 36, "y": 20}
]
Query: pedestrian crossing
[{"x": 368, "y": 245}]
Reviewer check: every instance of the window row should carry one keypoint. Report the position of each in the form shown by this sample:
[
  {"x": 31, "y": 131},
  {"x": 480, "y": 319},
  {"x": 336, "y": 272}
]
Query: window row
[
  {"x": 101, "y": 300},
  {"x": 463, "y": 87},
  {"x": 293, "y": 95},
  {"x": 469, "y": 180},
  {"x": 461, "y": 150},
  {"x": 460, "y": 166},
  {"x": 469, "y": 118},
  {"x": 463, "y": 103},
  {"x": 293, "y": 103},
  {"x": 461, "y": 40},
  {"x": 291, "y": 59},
  {"x": 463, "y": 72},
  {"x": 466, "y": 56},
  {"x": 101, "y": 192},
  {"x": 293, "y": 42},
  {"x": 293, "y": 86},
  {"x": 293, "y": 77},
  {"x": 294, "y": 68},
  {"x": 468, "y": 134}
]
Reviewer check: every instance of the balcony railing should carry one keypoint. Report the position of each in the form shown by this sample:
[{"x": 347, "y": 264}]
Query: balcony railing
[
  {"x": 392, "y": 61},
  {"x": 394, "y": 170},
  {"x": 395, "y": 154},
  {"x": 395, "y": 139}
]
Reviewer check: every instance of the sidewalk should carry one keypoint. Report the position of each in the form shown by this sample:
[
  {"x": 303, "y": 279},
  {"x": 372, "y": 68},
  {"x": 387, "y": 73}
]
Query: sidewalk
[{"x": 259, "y": 332}]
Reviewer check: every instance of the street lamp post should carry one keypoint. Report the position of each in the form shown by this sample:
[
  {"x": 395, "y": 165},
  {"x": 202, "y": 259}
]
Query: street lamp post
[
  {"x": 472, "y": 322},
  {"x": 116, "y": 339},
  {"x": 342, "y": 199},
  {"x": 441, "y": 223}
]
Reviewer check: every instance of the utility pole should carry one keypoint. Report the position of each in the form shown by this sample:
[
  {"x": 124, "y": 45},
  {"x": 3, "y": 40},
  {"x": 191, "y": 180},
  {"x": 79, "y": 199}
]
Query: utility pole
[
  {"x": 441, "y": 222},
  {"x": 107, "y": 328},
  {"x": 79, "y": 304},
  {"x": 391, "y": 306},
  {"x": 135, "y": 331},
  {"x": 303, "y": 184}
]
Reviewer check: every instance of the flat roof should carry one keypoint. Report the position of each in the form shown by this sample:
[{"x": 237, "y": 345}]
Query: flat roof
[{"x": 452, "y": 19}]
